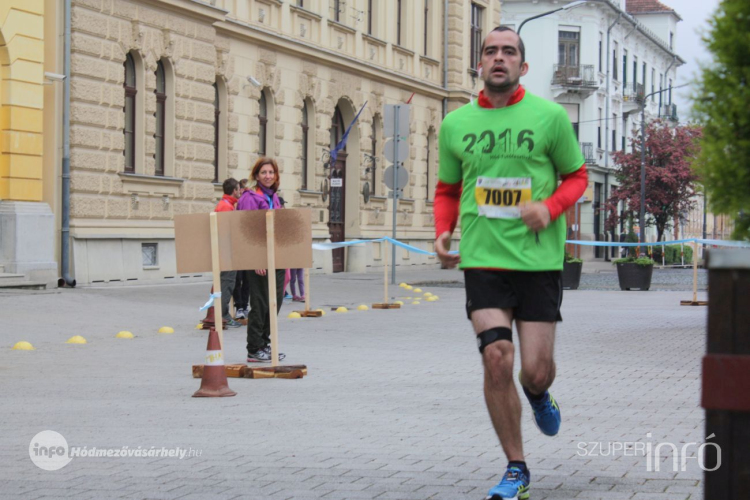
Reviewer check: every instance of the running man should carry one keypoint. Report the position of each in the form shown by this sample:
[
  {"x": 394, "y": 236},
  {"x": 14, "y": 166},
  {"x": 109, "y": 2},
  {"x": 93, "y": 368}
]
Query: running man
[{"x": 500, "y": 158}]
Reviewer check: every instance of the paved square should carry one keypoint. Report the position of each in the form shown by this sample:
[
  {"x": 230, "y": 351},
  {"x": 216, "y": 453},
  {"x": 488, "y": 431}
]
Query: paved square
[{"x": 392, "y": 407}]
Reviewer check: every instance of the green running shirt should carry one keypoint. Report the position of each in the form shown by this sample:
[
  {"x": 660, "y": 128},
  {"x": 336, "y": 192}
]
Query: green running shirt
[{"x": 504, "y": 157}]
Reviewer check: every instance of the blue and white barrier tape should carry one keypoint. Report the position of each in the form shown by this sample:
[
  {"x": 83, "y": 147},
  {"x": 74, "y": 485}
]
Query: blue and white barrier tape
[
  {"x": 215, "y": 295},
  {"x": 727, "y": 243}
]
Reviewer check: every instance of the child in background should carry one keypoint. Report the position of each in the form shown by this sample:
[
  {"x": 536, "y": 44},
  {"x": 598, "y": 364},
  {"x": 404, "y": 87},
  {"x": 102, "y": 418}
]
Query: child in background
[
  {"x": 242, "y": 284},
  {"x": 298, "y": 277}
]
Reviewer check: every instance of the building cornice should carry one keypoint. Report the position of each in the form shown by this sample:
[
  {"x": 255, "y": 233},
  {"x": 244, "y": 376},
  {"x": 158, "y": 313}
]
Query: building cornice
[
  {"x": 194, "y": 8},
  {"x": 642, "y": 29},
  {"x": 285, "y": 43}
]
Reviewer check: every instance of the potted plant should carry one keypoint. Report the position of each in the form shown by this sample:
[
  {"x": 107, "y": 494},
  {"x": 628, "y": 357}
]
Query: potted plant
[
  {"x": 571, "y": 275},
  {"x": 634, "y": 272}
]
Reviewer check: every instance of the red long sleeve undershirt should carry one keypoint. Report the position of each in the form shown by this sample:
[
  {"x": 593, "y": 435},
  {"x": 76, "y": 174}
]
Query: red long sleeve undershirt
[{"x": 448, "y": 196}]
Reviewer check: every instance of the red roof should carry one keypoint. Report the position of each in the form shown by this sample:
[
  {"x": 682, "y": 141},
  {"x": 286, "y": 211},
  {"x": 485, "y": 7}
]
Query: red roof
[{"x": 646, "y": 6}]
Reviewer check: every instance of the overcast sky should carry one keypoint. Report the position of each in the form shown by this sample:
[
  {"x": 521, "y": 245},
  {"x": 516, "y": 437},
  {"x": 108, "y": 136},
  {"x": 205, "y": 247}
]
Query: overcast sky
[{"x": 695, "y": 15}]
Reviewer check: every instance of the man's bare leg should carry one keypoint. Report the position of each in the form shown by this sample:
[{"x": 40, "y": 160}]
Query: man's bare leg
[
  {"x": 537, "y": 343},
  {"x": 500, "y": 393}
]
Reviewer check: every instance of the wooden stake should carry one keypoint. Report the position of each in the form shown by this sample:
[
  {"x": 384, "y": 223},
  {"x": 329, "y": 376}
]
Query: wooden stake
[
  {"x": 385, "y": 304},
  {"x": 695, "y": 271},
  {"x": 216, "y": 270},
  {"x": 695, "y": 301},
  {"x": 307, "y": 289},
  {"x": 271, "y": 273},
  {"x": 385, "y": 271}
]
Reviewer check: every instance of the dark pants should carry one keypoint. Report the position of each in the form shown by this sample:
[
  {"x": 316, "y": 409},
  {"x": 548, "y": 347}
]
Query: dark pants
[
  {"x": 259, "y": 321},
  {"x": 241, "y": 290},
  {"x": 227, "y": 279}
]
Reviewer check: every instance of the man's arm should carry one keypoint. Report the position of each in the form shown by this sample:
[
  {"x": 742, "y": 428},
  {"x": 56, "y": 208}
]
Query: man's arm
[
  {"x": 538, "y": 215},
  {"x": 446, "y": 207},
  {"x": 568, "y": 192}
]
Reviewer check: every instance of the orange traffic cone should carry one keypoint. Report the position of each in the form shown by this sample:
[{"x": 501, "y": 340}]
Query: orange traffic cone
[
  {"x": 210, "y": 321},
  {"x": 214, "y": 380}
]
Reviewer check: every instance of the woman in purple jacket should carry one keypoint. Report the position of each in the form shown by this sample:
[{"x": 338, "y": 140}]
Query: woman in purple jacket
[{"x": 262, "y": 197}]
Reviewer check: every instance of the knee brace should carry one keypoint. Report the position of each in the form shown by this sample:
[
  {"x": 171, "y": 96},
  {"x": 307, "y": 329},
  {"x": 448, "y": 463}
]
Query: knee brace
[{"x": 487, "y": 337}]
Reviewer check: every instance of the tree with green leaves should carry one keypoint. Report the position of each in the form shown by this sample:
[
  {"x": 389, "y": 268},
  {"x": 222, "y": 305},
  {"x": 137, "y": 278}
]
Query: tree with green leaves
[{"x": 722, "y": 104}]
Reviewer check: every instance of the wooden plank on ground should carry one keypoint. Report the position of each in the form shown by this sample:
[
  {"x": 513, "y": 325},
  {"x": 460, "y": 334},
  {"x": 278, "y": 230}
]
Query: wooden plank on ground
[
  {"x": 232, "y": 371},
  {"x": 386, "y": 306},
  {"x": 289, "y": 372}
]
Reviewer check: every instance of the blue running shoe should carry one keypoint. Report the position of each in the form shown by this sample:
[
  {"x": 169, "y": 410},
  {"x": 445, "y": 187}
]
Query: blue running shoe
[
  {"x": 514, "y": 486},
  {"x": 546, "y": 414}
]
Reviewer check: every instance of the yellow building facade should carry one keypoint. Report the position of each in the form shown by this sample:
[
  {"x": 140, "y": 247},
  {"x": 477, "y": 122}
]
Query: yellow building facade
[{"x": 27, "y": 233}]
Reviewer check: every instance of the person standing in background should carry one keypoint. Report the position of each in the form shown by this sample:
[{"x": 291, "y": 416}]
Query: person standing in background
[
  {"x": 242, "y": 284},
  {"x": 227, "y": 203},
  {"x": 263, "y": 197}
]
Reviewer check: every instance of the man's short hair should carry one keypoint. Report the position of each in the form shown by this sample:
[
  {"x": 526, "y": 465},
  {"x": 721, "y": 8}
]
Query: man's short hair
[
  {"x": 521, "y": 46},
  {"x": 230, "y": 185}
]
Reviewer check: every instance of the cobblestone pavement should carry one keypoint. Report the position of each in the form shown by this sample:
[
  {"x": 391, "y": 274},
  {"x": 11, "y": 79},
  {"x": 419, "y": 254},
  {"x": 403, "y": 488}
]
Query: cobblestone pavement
[
  {"x": 392, "y": 407},
  {"x": 661, "y": 280}
]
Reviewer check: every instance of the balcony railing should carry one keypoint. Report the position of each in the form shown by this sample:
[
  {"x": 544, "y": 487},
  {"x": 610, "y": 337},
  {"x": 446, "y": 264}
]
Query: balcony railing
[
  {"x": 575, "y": 76},
  {"x": 637, "y": 94},
  {"x": 587, "y": 148},
  {"x": 670, "y": 112}
]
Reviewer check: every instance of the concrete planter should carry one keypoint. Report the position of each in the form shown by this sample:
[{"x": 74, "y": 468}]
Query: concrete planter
[
  {"x": 571, "y": 275},
  {"x": 634, "y": 276}
]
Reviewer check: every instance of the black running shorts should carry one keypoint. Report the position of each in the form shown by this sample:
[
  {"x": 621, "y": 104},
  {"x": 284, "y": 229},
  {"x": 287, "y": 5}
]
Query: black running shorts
[{"x": 533, "y": 296}]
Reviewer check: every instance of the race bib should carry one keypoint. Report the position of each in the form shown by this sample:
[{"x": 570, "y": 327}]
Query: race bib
[{"x": 499, "y": 198}]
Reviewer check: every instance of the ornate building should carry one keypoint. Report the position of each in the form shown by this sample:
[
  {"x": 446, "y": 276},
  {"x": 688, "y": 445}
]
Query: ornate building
[{"x": 170, "y": 97}]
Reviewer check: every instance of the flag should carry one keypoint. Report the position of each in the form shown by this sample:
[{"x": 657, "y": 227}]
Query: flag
[{"x": 342, "y": 143}]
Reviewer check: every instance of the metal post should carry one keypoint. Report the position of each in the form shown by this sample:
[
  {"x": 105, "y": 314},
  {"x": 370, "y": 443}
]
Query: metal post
[
  {"x": 396, "y": 162},
  {"x": 642, "y": 215}
]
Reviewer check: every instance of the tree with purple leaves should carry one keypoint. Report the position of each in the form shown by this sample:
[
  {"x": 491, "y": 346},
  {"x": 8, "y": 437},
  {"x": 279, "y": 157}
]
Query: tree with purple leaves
[{"x": 670, "y": 177}]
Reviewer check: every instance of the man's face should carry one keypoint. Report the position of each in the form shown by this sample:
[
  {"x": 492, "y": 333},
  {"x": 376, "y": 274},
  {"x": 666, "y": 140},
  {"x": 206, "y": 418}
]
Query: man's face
[
  {"x": 501, "y": 61},
  {"x": 237, "y": 192}
]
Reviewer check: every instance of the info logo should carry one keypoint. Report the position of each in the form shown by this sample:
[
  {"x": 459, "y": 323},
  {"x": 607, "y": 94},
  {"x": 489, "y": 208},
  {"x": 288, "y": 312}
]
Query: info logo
[{"x": 49, "y": 451}]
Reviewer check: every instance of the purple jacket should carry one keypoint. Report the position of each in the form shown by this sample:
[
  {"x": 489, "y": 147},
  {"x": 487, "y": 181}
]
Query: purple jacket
[{"x": 257, "y": 199}]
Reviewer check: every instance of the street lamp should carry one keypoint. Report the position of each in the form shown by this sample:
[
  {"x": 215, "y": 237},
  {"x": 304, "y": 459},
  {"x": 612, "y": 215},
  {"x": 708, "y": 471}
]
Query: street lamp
[{"x": 566, "y": 7}]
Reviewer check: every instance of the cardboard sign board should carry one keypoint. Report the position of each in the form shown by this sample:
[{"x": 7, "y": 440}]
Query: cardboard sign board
[{"x": 242, "y": 240}]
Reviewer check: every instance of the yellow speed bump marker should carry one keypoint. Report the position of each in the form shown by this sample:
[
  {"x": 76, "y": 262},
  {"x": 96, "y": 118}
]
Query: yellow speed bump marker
[
  {"x": 23, "y": 346},
  {"x": 342, "y": 309},
  {"x": 76, "y": 340},
  {"x": 399, "y": 302},
  {"x": 199, "y": 326},
  {"x": 431, "y": 299},
  {"x": 294, "y": 315},
  {"x": 403, "y": 285},
  {"x": 362, "y": 308},
  {"x": 427, "y": 294},
  {"x": 322, "y": 312},
  {"x": 409, "y": 287},
  {"x": 417, "y": 290},
  {"x": 436, "y": 297},
  {"x": 416, "y": 303},
  {"x": 166, "y": 329},
  {"x": 124, "y": 335}
]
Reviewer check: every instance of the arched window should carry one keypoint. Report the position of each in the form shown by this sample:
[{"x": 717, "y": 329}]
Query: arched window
[
  {"x": 305, "y": 142},
  {"x": 159, "y": 133},
  {"x": 217, "y": 115},
  {"x": 130, "y": 113},
  {"x": 263, "y": 118},
  {"x": 431, "y": 164},
  {"x": 337, "y": 128}
]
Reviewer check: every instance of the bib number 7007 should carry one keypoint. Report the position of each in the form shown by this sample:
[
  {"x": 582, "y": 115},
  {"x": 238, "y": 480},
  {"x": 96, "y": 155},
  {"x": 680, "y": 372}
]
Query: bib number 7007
[
  {"x": 499, "y": 198},
  {"x": 503, "y": 197}
]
